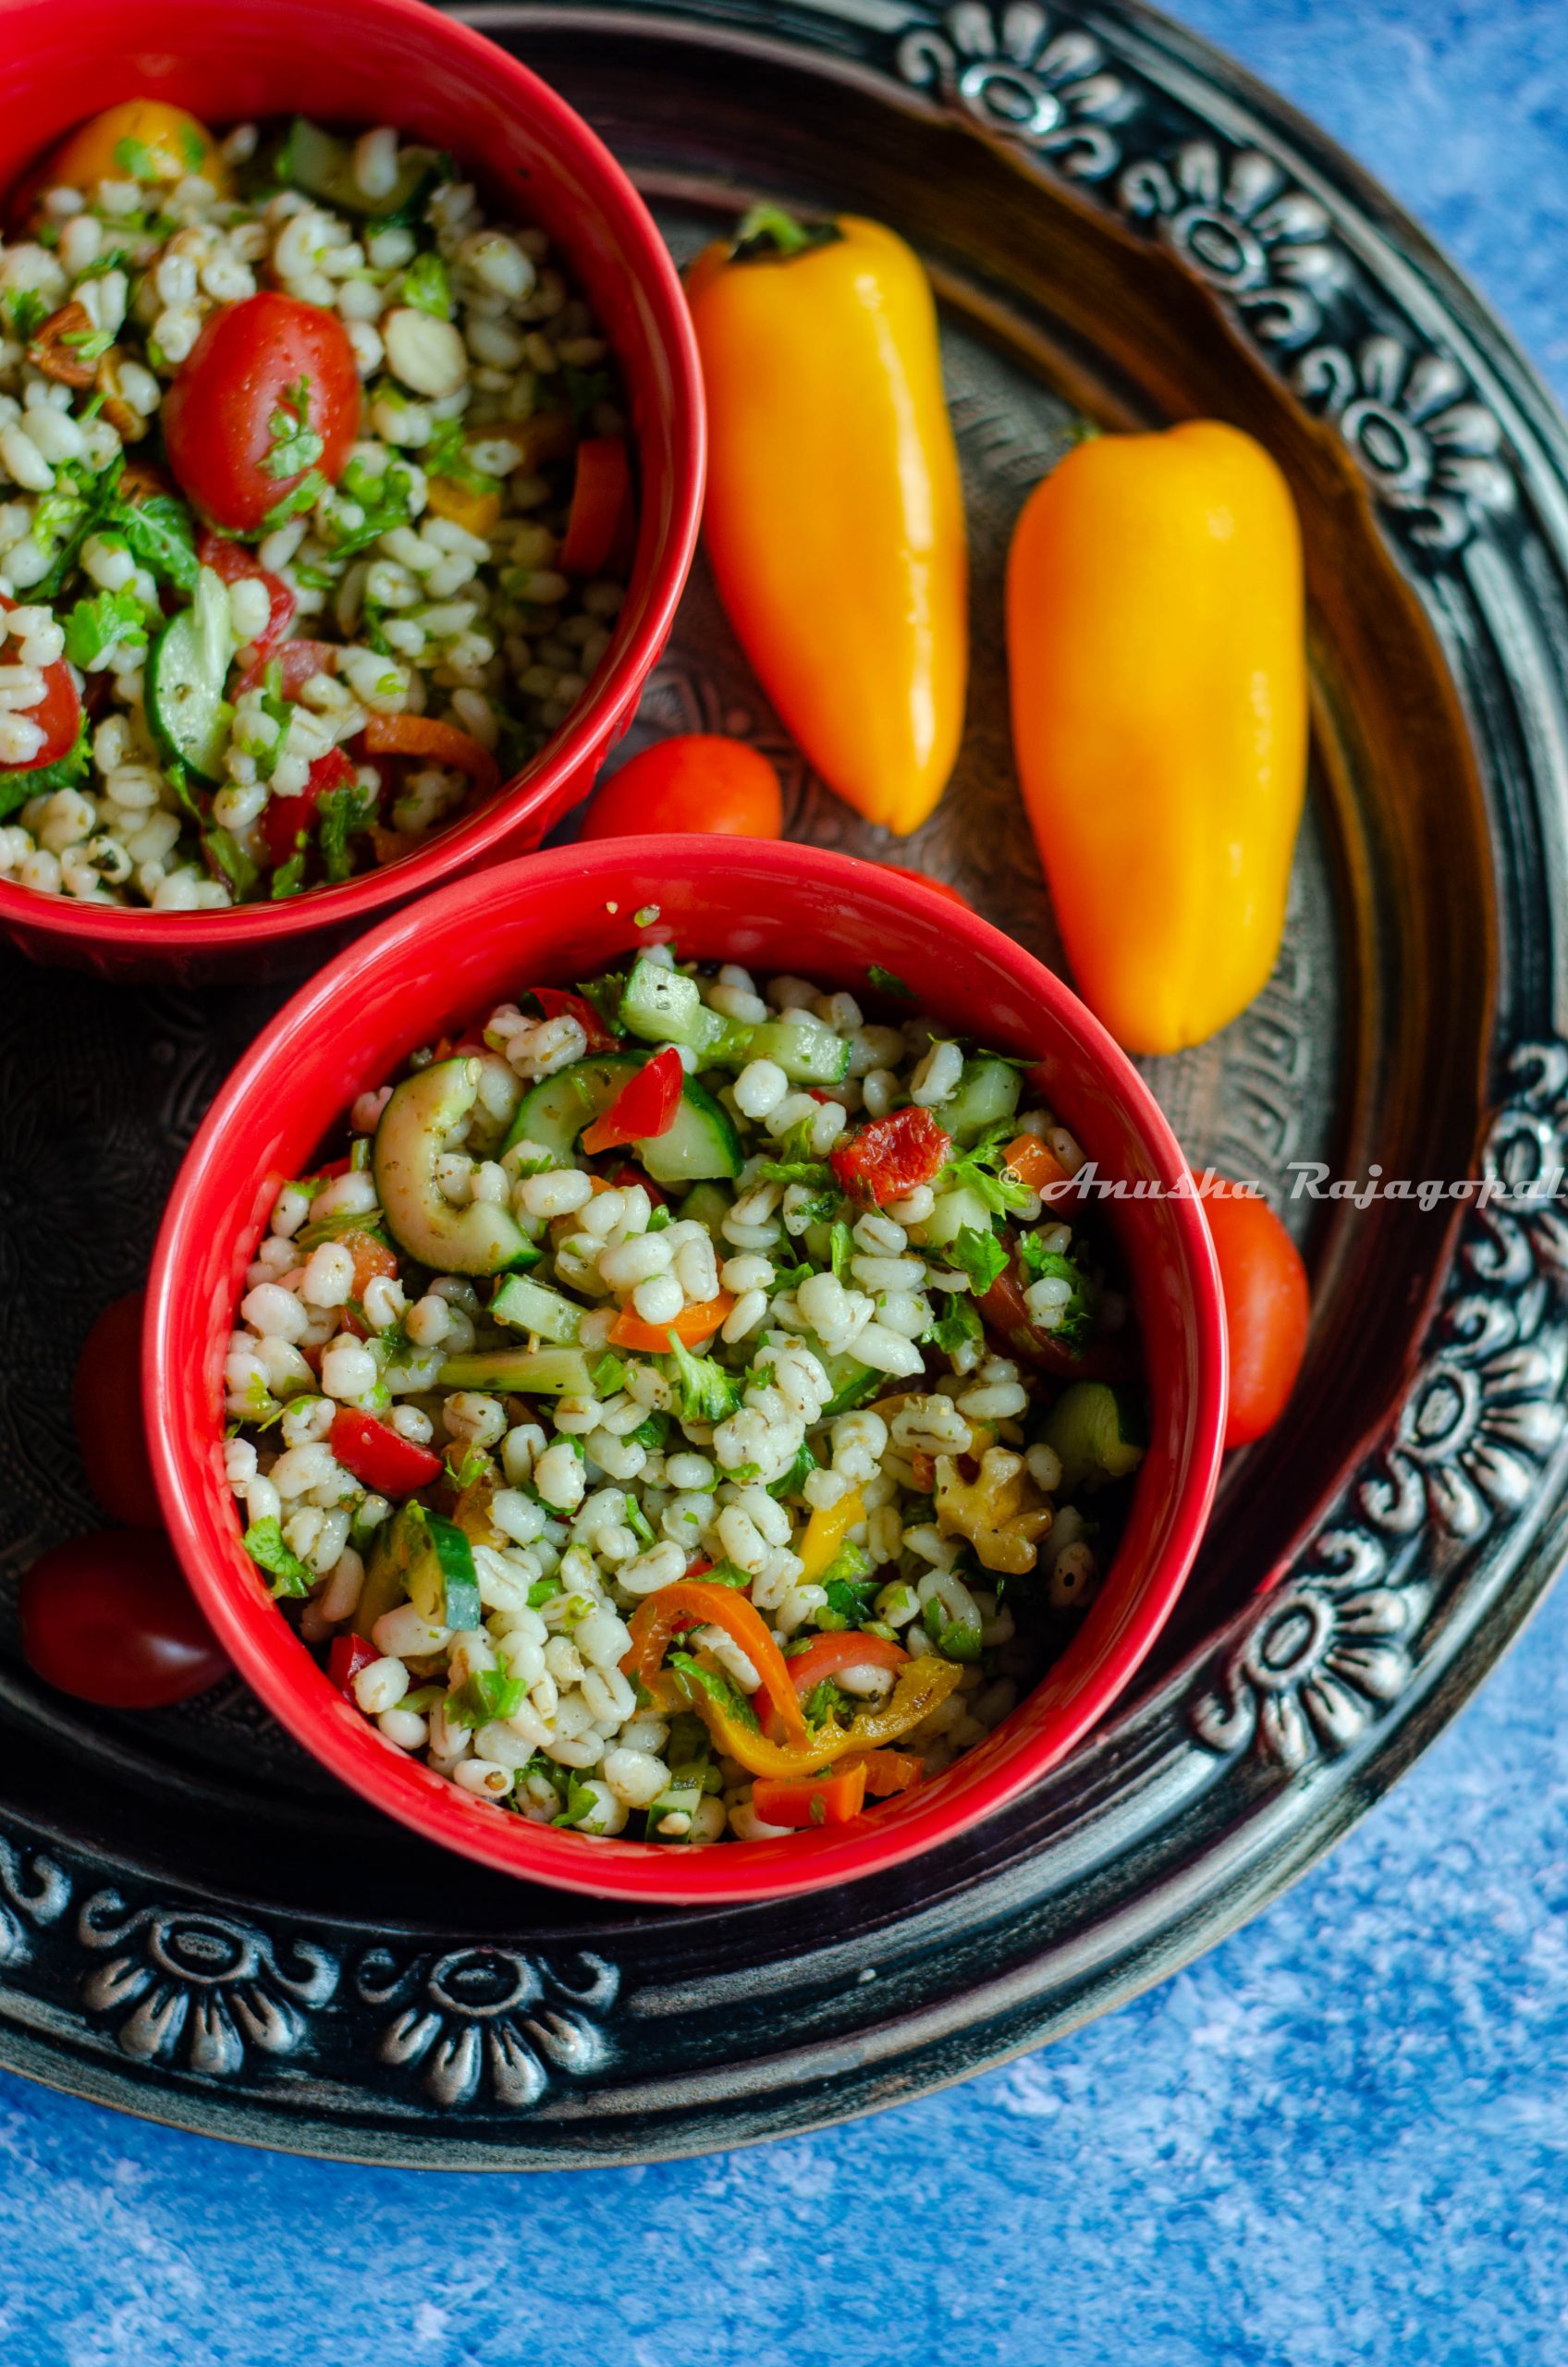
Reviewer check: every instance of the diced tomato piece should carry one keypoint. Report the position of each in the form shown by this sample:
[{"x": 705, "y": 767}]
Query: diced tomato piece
[
  {"x": 1003, "y": 1310},
  {"x": 555, "y": 1003},
  {"x": 283, "y": 818},
  {"x": 624, "y": 1177},
  {"x": 892, "y": 1156},
  {"x": 344, "y": 1661},
  {"x": 370, "y": 1258},
  {"x": 56, "y": 712},
  {"x": 804, "y": 1800},
  {"x": 296, "y": 661},
  {"x": 645, "y": 1107},
  {"x": 377, "y": 1456},
  {"x": 236, "y": 564}
]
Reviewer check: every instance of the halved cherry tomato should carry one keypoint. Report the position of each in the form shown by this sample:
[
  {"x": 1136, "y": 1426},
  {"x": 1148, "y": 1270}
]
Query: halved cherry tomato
[
  {"x": 805, "y": 1801},
  {"x": 349, "y": 1654},
  {"x": 1268, "y": 1307},
  {"x": 377, "y": 1456},
  {"x": 56, "y": 712},
  {"x": 110, "y": 1619},
  {"x": 232, "y": 405},
  {"x": 697, "y": 781},
  {"x": 424, "y": 735},
  {"x": 1004, "y": 1311},
  {"x": 892, "y": 1156},
  {"x": 691, "y": 1325},
  {"x": 645, "y": 1107},
  {"x": 106, "y": 1404},
  {"x": 284, "y": 818},
  {"x": 236, "y": 564},
  {"x": 295, "y": 662},
  {"x": 555, "y": 1003},
  {"x": 598, "y": 495},
  {"x": 1036, "y": 1166}
]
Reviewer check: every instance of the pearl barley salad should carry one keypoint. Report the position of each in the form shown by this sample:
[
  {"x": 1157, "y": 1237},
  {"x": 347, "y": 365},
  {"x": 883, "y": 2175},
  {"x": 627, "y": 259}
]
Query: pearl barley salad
[
  {"x": 680, "y": 1415},
  {"x": 315, "y": 505}
]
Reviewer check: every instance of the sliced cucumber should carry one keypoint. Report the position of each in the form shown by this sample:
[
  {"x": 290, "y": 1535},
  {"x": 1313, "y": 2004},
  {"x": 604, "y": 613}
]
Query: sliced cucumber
[
  {"x": 323, "y": 166},
  {"x": 442, "y": 1584},
  {"x": 709, "y": 1205},
  {"x": 852, "y": 1383},
  {"x": 559, "y": 1107},
  {"x": 185, "y": 680},
  {"x": 484, "y": 1238},
  {"x": 808, "y": 1051},
  {"x": 387, "y": 1572},
  {"x": 530, "y": 1306},
  {"x": 676, "y": 1799},
  {"x": 701, "y": 1144},
  {"x": 721, "y": 1043},
  {"x": 954, "y": 1211},
  {"x": 987, "y": 1092},
  {"x": 1097, "y": 1431},
  {"x": 533, "y": 1372},
  {"x": 661, "y": 1005}
]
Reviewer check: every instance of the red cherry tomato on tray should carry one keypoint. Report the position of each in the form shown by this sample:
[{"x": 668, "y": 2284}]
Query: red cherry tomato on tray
[
  {"x": 267, "y": 381},
  {"x": 698, "y": 781},
  {"x": 1267, "y": 1305},
  {"x": 56, "y": 712},
  {"x": 107, "y": 1405},
  {"x": 110, "y": 1619}
]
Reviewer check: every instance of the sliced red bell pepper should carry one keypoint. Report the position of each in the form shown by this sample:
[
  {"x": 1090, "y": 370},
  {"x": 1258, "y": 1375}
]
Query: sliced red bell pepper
[
  {"x": 645, "y": 1107},
  {"x": 805, "y": 1801},
  {"x": 344, "y": 1661},
  {"x": 235, "y": 563},
  {"x": 283, "y": 818},
  {"x": 554, "y": 1000},
  {"x": 599, "y": 496},
  {"x": 377, "y": 1456},
  {"x": 890, "y": 1157}
]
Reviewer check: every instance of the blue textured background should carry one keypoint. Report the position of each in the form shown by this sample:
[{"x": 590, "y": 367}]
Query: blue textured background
[{"x": 1341, "y": 2138}]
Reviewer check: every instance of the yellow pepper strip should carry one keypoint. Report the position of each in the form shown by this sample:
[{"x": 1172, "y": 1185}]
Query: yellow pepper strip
[
  {"x": 477, "y": 514},
  {"x": 140, "y": 139},
  {"x": 826, "y": 1532},
  {"x": 921, "y": 1687},
  {"x": 834, "y": 517},
  {"x": 1157, "y": 648}
]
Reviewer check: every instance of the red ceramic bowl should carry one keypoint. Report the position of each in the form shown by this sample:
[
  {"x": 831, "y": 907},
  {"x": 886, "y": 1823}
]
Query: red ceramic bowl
[
  {"x": 561, "y": 916},
  {"x": 399, "y": 62}
]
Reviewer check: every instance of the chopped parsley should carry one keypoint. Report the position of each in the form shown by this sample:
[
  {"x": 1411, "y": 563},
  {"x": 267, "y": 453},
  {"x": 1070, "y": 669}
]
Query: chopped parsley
[
  {"x": 840, "y": 1249},
  {"x": 386, "y": 501},
  {"x": 294, "y": 443},
  {"x": 26, "y": 311},
  {"x": 707, "y": 1392},
  {"x": 446, "y": 455},
  {"x": 97, "y": 624},
  {"x": 800, "y": 1471},
  {"x": 979, "y": 1255},
  {"x": 426, "y": 285},
  {"x": 983, "y": 1170},
  {"x": 888, "y": 982},
  {"x": 161, "y": 533},
  {"x": 341, "y": 812},
  {"x": 958, "y": 1323},
  {"x": 1076, "y": 1318},
  {"x": 692, "y": 1678},
  {"x": 488, "y": 1694},
  {"x": 264, "y": 1543}
]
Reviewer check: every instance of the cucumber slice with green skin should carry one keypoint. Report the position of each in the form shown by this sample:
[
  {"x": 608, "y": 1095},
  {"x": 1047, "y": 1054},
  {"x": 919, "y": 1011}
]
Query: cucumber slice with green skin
[
  {"x": 185, "y": 680},
  {"x": 955, "y": 1212},
  {"x": 709, "y": 1205},
  {"x": 852, "y": 1383},
  {"x": 530, "y": 1307},
  {"x": 323, "y": 166},
  {"x": 1097, "y": 1431},
  {"x": 484, "y": 1238},
  {"x": 442, "y": 1583},
  {"x": 701, "y": 1144},
  {"x": 662, "y": 1006},
  {"x": 987, "y": 1092},
  {"x": 808, "y": 1051},
  {"x": 391, "y": 1557},
  {"x": 676, "y": 1799},
  {"x": 533, "y": 1372}
]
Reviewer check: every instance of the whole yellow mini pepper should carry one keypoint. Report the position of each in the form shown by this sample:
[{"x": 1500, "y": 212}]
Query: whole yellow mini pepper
[
  {"x": 834, "y": 519},
  {"x": 1157, "y": 648}
]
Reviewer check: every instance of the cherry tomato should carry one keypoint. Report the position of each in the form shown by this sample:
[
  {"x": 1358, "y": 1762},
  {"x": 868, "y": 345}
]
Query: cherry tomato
[
  {"x": 107, "y": 1405},
  {"x": 645, "y": 1107},
  {"x": 283, "y": 818},
  {"x": 344, "y": 1661},
  {"x": 295, "y": 662},
  {"x": 890, "y": 1157},
  {"x": 698, "y": 781},
  {"x": 237, "y": 565},
  {"x": 374, "y": 1451},
  {"x": 232, "y": 405},
  {"x": 110, "y": 1619},
  {"x": 56, "y": 712},
  {"x": 1267, "y": 1305}
]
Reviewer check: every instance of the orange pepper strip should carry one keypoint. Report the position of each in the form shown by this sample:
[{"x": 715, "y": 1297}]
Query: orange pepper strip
[
  {"x": 693, "y": 1323},
  {"x": 816, "y": 1799},
  {"x": 887, "y": 1772},
  {"x": 422, "y": 735},
  {"x": 692, "y": 1602},
  {"x": 1033, "y": 1165}
]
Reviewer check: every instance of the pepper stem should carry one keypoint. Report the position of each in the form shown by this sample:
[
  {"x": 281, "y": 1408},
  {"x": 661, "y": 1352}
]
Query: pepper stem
[{"x": 768, "y": 233}]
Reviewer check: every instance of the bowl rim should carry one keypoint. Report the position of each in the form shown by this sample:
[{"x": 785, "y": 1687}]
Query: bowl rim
[
  {"x": 609, "y": 705},
  {"x": 441, "y": 1812}
]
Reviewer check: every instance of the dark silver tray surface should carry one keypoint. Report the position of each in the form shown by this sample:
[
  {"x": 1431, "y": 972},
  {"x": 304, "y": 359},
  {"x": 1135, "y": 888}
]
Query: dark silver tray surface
[{"x": 195, "y": 1924}]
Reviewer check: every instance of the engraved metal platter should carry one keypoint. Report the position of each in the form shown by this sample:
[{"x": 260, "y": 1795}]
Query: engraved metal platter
[{"x": 194, "y": 1923}]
